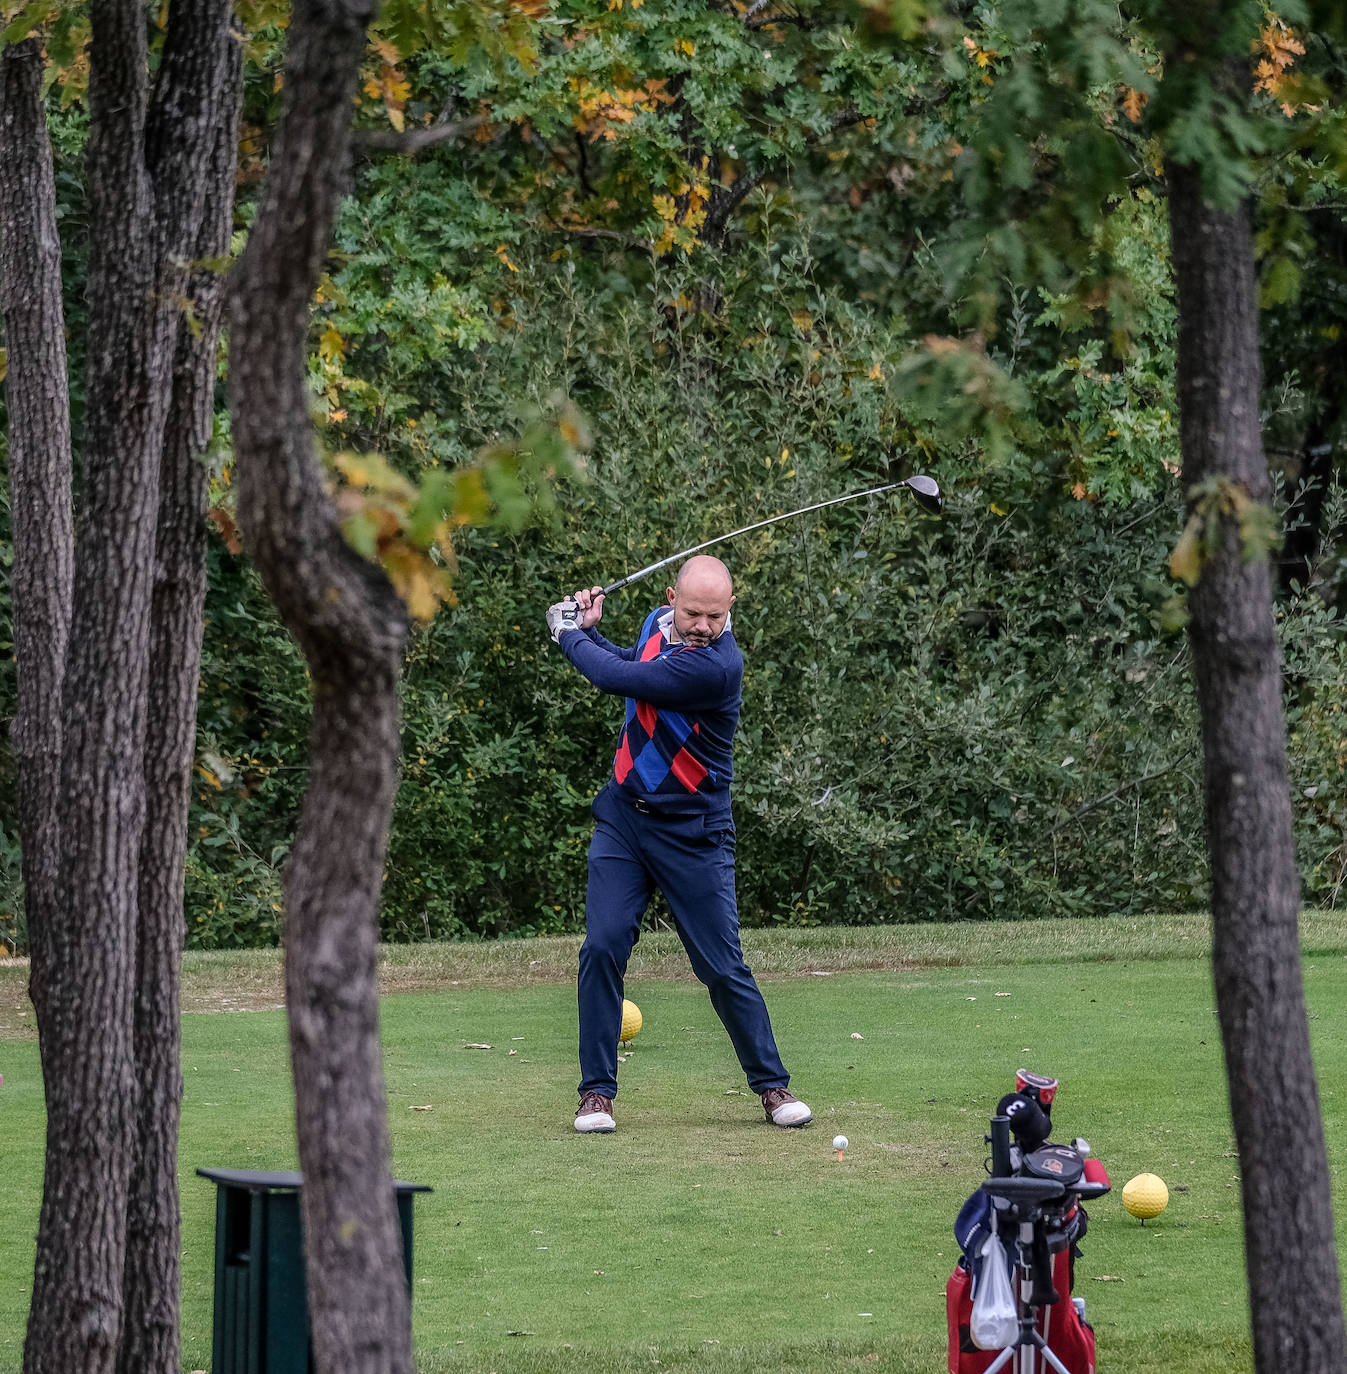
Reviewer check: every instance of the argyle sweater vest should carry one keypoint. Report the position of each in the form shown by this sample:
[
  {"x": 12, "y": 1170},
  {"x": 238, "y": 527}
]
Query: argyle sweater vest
[{"x": 676, "y": 749}]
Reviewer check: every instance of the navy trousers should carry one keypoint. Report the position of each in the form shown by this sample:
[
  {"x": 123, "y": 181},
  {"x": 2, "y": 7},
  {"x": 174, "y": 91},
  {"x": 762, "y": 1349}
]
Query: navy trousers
[{"x": 691, "y": 860}]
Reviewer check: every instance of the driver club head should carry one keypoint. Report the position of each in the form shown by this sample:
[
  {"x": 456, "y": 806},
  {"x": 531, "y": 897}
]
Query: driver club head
[{"x": 926, "y": 490}]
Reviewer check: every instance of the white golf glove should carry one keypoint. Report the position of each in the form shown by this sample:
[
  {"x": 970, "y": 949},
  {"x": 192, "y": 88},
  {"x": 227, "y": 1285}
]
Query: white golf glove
[{"x": 564, "y": 615}]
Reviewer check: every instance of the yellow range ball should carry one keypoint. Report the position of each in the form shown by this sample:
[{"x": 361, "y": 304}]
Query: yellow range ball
[
  {"x": 631, "y": 1020},
  {"x": 1145, "y": 1196}
]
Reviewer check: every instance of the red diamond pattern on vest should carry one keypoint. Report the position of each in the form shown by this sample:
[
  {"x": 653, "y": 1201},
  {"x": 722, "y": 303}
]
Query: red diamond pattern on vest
[
  {"x": 622, "y": 763},
  {"x": 687, "y": 770}
]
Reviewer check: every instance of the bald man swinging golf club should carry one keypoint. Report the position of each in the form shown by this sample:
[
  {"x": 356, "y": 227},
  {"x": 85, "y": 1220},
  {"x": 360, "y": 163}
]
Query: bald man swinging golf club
[{"x": 663, "y": 821}]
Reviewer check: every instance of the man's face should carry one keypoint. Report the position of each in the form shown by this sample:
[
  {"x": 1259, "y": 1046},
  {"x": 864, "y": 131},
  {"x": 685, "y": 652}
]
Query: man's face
[{"x": 700, "y": 610}]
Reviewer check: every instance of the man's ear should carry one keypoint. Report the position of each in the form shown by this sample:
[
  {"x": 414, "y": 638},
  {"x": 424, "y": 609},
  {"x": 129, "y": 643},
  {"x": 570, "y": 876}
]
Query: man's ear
[
  {"x": 669, "y": 593},
  {"x": 733, "y": 599}
]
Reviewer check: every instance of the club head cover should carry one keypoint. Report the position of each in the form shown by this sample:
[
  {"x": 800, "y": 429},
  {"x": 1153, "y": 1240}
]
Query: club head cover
[
  {"x": 1096, "y": 1173},
  {"x": 1029, "y": 1123}
]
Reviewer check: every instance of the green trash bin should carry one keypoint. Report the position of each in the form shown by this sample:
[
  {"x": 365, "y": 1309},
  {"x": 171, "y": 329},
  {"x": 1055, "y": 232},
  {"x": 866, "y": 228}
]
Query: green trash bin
[{"x": 261, "y": 1300}]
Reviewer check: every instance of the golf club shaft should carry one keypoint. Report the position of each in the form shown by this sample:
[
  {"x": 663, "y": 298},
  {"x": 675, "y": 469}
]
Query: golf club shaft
[{"x": 761, "y": 524}]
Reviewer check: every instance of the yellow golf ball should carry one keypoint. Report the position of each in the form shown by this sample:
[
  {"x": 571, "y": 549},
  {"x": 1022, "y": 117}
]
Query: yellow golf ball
[
  {"x": 631, "y": 1020},
  {"x": 1145, "y": 1196}
]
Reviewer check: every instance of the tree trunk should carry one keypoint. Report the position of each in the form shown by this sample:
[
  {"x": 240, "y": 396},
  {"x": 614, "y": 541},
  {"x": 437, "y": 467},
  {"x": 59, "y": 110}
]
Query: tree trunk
[
  {"x": 39, "y": 478},
  {"x": 145, "y": 207},
  {"x": 192, "y": 140},
  {"x": 1295, "y": 1298},
  {"x": 75, "y": 1318},
  {"x": 351, "y": 627}
]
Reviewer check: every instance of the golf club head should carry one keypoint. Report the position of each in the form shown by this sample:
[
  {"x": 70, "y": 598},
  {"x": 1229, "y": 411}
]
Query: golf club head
[{"x": 926, "y": 490}]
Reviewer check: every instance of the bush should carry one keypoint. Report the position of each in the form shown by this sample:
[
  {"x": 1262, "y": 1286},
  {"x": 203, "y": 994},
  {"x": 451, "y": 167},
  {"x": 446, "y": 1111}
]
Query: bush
[{"x": 981, "y": 715}]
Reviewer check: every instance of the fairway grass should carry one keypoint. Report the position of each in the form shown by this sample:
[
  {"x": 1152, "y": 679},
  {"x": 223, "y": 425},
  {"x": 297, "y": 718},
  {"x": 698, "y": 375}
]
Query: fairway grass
[{"x": 700, "y": 1238}]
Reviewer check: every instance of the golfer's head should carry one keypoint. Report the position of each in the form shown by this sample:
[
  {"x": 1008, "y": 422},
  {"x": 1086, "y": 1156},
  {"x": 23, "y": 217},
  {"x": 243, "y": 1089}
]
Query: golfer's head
[{"x": 701, "y": 599}]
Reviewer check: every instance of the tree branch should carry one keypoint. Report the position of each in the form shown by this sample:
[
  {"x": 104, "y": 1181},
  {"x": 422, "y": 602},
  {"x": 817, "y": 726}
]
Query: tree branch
[
  {"x": 414, "y": 140},
  {"x": 1116, "y": 792}
]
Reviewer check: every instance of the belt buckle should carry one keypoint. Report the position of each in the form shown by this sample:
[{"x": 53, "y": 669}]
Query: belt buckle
[{"x": 643, "y": 806}]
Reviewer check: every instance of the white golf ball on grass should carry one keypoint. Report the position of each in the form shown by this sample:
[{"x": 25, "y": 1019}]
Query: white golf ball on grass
[{"x": 840, "y": 1142}]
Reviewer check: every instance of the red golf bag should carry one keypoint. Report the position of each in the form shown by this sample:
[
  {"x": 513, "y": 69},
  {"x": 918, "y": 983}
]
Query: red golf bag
[
  {"x": 1070, "y": 1337},
  {"x": 1027, "y": 1216}
]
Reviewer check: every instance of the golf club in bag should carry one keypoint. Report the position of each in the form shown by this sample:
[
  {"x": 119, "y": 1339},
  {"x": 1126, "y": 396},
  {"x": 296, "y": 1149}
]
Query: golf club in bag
[
  {"x": 924, "y": 489},
  {"x": 1009, "y": 1304}
]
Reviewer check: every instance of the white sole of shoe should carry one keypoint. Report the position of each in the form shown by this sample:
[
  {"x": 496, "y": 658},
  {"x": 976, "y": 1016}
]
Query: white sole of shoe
[
  {"x": 595, "y": 1123},
  {"x": 791, "y": 1115}
]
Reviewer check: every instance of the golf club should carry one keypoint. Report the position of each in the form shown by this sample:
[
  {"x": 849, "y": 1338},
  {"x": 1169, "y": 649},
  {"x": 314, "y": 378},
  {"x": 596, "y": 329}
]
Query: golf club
[{"x": 925, "y": 489}]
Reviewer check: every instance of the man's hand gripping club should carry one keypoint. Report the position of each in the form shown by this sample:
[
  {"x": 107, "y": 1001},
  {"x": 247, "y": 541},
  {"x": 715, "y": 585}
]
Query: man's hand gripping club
[{"x": 577, "y": 612}]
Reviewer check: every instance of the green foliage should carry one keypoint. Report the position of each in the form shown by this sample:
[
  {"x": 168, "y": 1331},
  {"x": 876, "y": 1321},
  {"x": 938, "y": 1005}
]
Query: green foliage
[
  {"x": 981, "y": 715},
  {"x": 770, "y": 262}
]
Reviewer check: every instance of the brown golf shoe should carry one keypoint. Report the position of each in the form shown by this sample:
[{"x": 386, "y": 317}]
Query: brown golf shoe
[
  {"x": 595, "y": 1115},
  {"x": 783, "y": 1108}
]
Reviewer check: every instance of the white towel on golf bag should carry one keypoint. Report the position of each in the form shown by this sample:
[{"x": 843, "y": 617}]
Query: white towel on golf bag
[{"x": 994, "y": 1323}]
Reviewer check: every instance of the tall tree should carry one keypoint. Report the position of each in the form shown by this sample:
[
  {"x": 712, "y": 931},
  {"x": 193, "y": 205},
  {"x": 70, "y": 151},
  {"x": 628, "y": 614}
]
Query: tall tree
[
  {"x": 1294, "y": 1292},
  {"x": 200, "y": 84},
  {"x": 1044, "y": 166},
  {"x": 351, "y": 626},
  {"x": 112, "y": 1083}
]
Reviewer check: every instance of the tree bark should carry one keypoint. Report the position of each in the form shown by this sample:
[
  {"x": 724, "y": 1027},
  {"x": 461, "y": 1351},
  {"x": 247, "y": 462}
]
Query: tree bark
[
  {"x": 144, "y": 175},
  {"x": 39, "y": 479},
  {"x": 1295, "y": 1298},
  {"x": 75, "y": 1318},
  {"x": 351, "y": 627},
  {"x": 192, "y": 142}
]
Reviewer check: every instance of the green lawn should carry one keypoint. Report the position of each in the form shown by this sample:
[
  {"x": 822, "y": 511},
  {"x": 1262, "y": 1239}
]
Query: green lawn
[{"x": 698, "y": 1237}]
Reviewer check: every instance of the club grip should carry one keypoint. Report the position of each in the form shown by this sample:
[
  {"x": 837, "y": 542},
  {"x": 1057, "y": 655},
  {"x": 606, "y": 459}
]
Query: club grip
[{"x": 1000, "y": 1143}]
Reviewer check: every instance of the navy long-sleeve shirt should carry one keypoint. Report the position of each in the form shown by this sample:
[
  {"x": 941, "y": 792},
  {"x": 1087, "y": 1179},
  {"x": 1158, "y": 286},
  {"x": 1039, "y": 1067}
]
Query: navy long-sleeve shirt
[{"x": 676, "y": 752}]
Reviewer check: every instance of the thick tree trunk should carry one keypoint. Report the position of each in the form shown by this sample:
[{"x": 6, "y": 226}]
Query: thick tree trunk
[
  {"x": 145, "y": 200},
  {"x": 1292, "y": 1266},
  {"x": 351, "y": 628},
  {"x": 39, "y": 478},
  {"x": 75, "y": 1318},
  {"x": 193, "y": 149}
]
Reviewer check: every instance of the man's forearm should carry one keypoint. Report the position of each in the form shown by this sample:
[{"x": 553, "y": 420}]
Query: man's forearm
[
  {"x": 608, "y": 646},
  {"x": 688, "y": 681}
]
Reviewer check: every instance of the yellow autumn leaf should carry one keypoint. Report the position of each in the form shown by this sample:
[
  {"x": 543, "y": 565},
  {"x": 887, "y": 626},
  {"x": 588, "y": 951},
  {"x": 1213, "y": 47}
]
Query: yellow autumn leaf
[
  {"x": 802, "y": 320},
  {"x": 351, "y": 468},
  {"x": 686, "y": 46},
  {"x": 504, "y": 257},
  {"x": 1185, "y": 562},
  {"x": 421, "y": 596},
  {"x": 331, "y": 345},
  {"x": 876, "y": 373}
]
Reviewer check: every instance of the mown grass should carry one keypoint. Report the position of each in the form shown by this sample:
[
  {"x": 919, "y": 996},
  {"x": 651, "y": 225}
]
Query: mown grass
[
  {"x": 700, "y": 1238},
  {"x": 249, "y": 980}
]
